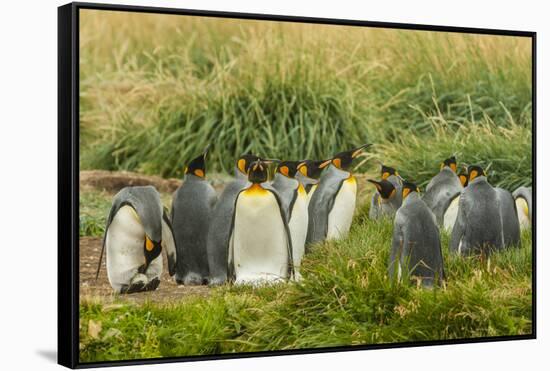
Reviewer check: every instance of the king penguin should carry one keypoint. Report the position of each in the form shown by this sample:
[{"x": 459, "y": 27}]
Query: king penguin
[
  {"x": 309, "y": 173},
  {"x": 294, "y": 200},
  {"x": 137, "y": 230},
  {"x": 416, "y": 246},
  {"x": 385, "y": 202},
  {"x": 332, "y": 205},
  {"x": 391, "y": 175},
  {"x": 443, "y": 189},
  {"x": 260, "y": 248},
  {"x": 523, "y": 196},
  {"x": 191, "y": 213},
  {"x": 478, "y": 226},
  {"x": 219, "y": 232},
  {"x": 508, "y": 213}
]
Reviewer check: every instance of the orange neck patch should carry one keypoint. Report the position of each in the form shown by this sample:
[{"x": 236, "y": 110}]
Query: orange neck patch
[{"x": 256, "y": 190}]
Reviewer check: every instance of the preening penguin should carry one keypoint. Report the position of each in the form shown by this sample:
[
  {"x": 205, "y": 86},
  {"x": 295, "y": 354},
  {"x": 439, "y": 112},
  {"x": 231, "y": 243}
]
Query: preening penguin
[
  {"x": 523, "y": 197},
  {"x": 442, "y": 189},
  {"x": 478, "y": 226},
  {"x": 332, "y": 205},
  {"x": 219, "y": 232},
  {"x": 137, "y": 230},
  {"x": 260, "y": 249},
  {"x": 391, "y": 175},
  {"x": 385, "y": 202},
  {"x": 416, "y": 246},
  {"x": 294, "y": 201},
  {"x": 508, "y": 213},
  {"x": 191, "y": 213}
]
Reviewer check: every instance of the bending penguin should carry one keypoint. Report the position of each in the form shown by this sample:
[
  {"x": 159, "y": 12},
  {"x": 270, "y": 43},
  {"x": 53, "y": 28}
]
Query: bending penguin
[
  {"x": 294, "y": 201},
  {"x": 332, "y": 205},
  {"x": 219, "y": 232},
  {"x": 191, "y": 213},
  {"x": 523, "y": 196},
  {"x": 416, "y": 246},
  {"x": 260, "y": 249},
  {"x": 385, "y": 202},
  {"x": 443, "y": 189},
  {"x": 137, "y": 230},
  {"x": 478, "y": 226}
]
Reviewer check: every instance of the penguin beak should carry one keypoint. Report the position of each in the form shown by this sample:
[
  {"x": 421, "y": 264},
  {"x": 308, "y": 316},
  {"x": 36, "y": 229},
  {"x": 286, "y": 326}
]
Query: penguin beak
[
  {"x": 357, "y": 151},
  {"x": 325, "y": 164},
  {"x": 376, "y": 184}
]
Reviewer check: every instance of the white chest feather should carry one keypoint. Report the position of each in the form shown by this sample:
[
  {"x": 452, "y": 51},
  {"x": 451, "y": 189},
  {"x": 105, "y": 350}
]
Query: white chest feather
[
  {"x": 341, "y": 215},
  {"x": 451, "y": 214},
  {"x": 523, "y": 213},
  {"x": 124, "y": 248},
  {"x": 298, "y": 228},
  {"x": 259, "y": 241}
]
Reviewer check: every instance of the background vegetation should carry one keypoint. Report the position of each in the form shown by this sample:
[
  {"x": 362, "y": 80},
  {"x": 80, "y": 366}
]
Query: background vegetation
[{"x": 155, "y": 90}]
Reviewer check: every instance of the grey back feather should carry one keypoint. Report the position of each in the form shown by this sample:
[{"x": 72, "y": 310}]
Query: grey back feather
[{"x": 322, "y": 202}]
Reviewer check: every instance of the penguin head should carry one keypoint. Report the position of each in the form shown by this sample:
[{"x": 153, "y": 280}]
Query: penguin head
[
  {"x": 463, "y": 176},
  {"x": 344, "y": 159},
  {"x": 289, "y": 168},
  {"x": 257, "y": 171},
  {"x": 450, "y": 162},
  {"x": 244, "y": 161},
  {"x": 409, "y": 187},
  {"x": 386, "y": 172},
  {"x": 197, "y": 166},
  {"x": 475, "y": 171},
  {"x": 152, "y": 250},
  {"x": 385, "y": 189},
  {"x": 313, "y": 169}
]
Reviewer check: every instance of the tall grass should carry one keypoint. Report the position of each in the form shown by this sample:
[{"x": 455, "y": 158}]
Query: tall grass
[
  {"x": 155, "y": 89},
  {"x": 346, "y": 298}
]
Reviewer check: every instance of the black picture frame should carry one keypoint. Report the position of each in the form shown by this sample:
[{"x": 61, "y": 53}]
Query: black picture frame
[{"x": 68, "y": 178}]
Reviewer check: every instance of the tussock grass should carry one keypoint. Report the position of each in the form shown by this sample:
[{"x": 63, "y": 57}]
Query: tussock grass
[
  {"x": 155, "y": 89},
  {"x": 346, "y": 298}
]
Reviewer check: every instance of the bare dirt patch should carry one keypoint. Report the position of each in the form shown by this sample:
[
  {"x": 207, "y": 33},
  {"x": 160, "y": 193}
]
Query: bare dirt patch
[
  {"x": 100, "y": 290},
  {"x": 113, "y": 181}
]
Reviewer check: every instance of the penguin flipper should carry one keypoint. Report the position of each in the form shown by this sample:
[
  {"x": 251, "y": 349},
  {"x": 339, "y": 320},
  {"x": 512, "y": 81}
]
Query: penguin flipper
[
  {"x": 114, "y": 208},
  {"x": 169, "y": 242},
  {"x": 459, "y": 227},
  {"x": 290, "y": 271},
  {"x": 396, "y": 248}
]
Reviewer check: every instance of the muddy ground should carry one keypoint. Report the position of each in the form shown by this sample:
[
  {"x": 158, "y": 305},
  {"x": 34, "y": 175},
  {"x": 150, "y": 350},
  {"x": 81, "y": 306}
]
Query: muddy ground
[{"x": 90, "y": 247}]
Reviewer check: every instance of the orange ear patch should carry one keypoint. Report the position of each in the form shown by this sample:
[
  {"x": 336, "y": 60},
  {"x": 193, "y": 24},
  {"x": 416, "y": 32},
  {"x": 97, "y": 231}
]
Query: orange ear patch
[
  {"x": 241, "y": 165},
  {"x": 385, "y": 175},
  {"x": 473, "y": 175},
  {"x": 284, "y": 170},
  {"x": 199, "y": 173},
  {"x": 149, "y": 244},
  {"x": 453, "y": 167},
  {"x": 463, "y": 179},
  {"x": 406, "y": 192},
  {"x": 303, "y": 170},
  {"x": 337, "y": 162}
]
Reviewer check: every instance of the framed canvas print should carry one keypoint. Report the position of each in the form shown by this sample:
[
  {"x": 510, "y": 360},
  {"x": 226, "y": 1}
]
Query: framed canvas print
[{"x": 236, "y": 185}]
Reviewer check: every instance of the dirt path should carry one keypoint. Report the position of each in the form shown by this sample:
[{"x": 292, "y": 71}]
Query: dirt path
[{"x": 100, "y": 290}]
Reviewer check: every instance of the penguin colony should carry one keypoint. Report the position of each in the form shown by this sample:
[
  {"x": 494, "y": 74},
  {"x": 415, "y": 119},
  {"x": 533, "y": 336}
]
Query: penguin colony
[{"x": 257, "y": 231}]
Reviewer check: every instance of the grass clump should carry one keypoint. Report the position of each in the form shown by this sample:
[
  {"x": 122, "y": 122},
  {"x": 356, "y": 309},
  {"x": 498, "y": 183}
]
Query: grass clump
[{"x": 346, "y": 298}]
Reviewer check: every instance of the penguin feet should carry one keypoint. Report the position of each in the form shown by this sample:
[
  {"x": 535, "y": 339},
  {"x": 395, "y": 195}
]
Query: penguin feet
[
  {"x": 140, "y": 283},
  {"x": 191, "y": 279},
  {"x": 216, "y": 281}
]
